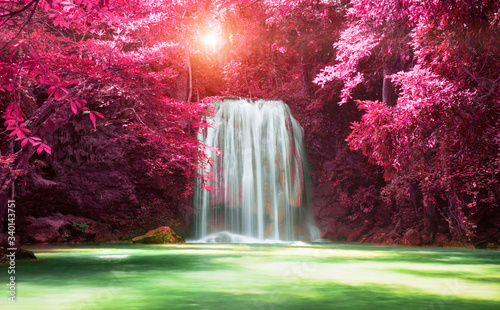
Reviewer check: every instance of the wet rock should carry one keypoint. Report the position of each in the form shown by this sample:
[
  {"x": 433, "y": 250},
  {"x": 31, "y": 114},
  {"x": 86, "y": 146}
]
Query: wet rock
[
  {"x": 159, "y": 235},
  {"x": 376, "y": 237},
  {"x": 412, "y": 237},
  {"x": 359, "y": 231},
  {"x": 45, "y": 235},
  {"x": 441, "y": 239},
  {"x": 392, "y": 238},
  {"x": 24, "y": 254},
  {"x": 20, "y": 254},
  {"x": 426, "y": 238},
  {"x": 333, "y": 230},
  {"x": 100, "y": 177},
  {"x": 59, "y": 228}
]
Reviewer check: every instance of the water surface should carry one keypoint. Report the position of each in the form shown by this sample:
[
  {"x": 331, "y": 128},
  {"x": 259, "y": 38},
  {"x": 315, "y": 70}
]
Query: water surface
[{"x": 255, "y": 276}]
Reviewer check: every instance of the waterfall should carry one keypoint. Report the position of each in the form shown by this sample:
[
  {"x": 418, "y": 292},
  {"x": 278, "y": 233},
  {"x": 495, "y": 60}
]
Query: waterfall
[{"x": 259, "y": 179}]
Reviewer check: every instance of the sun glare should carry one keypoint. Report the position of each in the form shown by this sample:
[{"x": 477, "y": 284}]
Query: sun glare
[{"x": 211, "y": 40}]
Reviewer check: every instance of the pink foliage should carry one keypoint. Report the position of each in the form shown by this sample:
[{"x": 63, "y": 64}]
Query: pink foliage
[
  {"x": 355, "y": 43},
  {"x": 396, "y": 137}
]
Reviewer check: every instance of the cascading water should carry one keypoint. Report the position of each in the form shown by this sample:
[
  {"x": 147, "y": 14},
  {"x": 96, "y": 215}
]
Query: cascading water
[{"x": 259, "y": 180}]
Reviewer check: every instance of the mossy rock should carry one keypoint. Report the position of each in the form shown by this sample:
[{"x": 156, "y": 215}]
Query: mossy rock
[{"x": 159, "y": 235}]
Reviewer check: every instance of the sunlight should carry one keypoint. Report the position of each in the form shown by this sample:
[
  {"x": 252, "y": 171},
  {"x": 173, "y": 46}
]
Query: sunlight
[{"x": 211, "y": 40}]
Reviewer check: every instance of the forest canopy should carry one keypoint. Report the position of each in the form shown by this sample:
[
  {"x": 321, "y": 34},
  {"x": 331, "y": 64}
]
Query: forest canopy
[{"x": 413, "y": 85}]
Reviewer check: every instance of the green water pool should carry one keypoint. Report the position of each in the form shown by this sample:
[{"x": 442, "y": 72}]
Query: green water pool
[{"x": 261, "y": 277}]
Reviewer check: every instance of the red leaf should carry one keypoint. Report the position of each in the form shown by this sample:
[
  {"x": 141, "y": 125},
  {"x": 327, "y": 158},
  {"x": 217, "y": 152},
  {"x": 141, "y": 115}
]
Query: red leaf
[
  {"x": 53, "y": 76},
  {"x": 64, "y": 90},
  {"x": 39, "y": 149},
  {"x": 9, "y": 108},
  {"x": 13, "y": 132},
  {"x": 20, "y": 134},
  {"x": 92, "y": 118},
  {"x": 9, "y": 123},
  {"x": 73, "y": 106},
  {"x": 33, "y": 53},
  {"x": 57, "y": 94},
  {"x": 46, "y": 148},
  {"x": 18, "y": 113},
  {"x": 24, "y": 142}
]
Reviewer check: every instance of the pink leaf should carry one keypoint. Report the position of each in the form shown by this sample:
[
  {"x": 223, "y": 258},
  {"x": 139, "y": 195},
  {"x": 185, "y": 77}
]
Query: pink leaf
[
  {"x": 18, "y": 113},
  {"x": 53, "y": 76},
  {"x": 73, "y": 106},
  {"x": 57, "y": 94},
  {"x": 39, "y": 149},
  {"x": 64, "y": 90},
  {"x": 11, "y": 124},
  {"x": 46, "y": 148},
  {"x": 20, "y": 134},
  {"x": 9, "y": 108},
  {"x": 92, "y": 118}
]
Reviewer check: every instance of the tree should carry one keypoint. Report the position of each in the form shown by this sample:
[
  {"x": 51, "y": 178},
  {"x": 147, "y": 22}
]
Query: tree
[
  {"x": 441, "y": 132},
  {"x": 62, "y": 58}
]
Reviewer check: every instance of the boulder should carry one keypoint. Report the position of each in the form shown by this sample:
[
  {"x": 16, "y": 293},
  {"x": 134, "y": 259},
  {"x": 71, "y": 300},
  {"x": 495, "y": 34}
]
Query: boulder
[
  {"x": 45, "y": 235},
  {"x": 21, "y": 254},
  {"x": 412, "y": 237},
  {"x": 58, "y": 228},
  {"x": 24, "y": 254},
  {"x": 159, "y": 235}
]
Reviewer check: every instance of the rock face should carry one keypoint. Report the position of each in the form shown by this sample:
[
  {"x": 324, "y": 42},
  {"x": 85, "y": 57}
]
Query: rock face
[
  {"x": 20, "y": 254},
  {"x": 58, "y": 228},
  {"x": 95, "y": 187},
  {"x": 412, "y": 237},
  {"x": 159, "y": 235}
]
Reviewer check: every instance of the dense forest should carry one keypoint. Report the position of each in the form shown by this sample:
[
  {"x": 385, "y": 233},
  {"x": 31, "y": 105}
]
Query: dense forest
[{"x": 101, "y": 101}]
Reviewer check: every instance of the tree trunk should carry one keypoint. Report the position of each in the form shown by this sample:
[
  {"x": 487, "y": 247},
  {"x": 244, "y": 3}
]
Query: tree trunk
[
  {"x": 190, "y": 80},
  {"x": 415, "y": 197},
  {"x": 306, "y": 75},
  {"x": 22, "y": 157},
  {"x": 430, "y": 215},
  {"x": 388, "y": 94}
]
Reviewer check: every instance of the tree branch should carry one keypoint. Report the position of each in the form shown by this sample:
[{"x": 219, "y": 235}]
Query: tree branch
[
  {"x": 24, "y": 25},
  {"x": 27, "y": 6}
]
